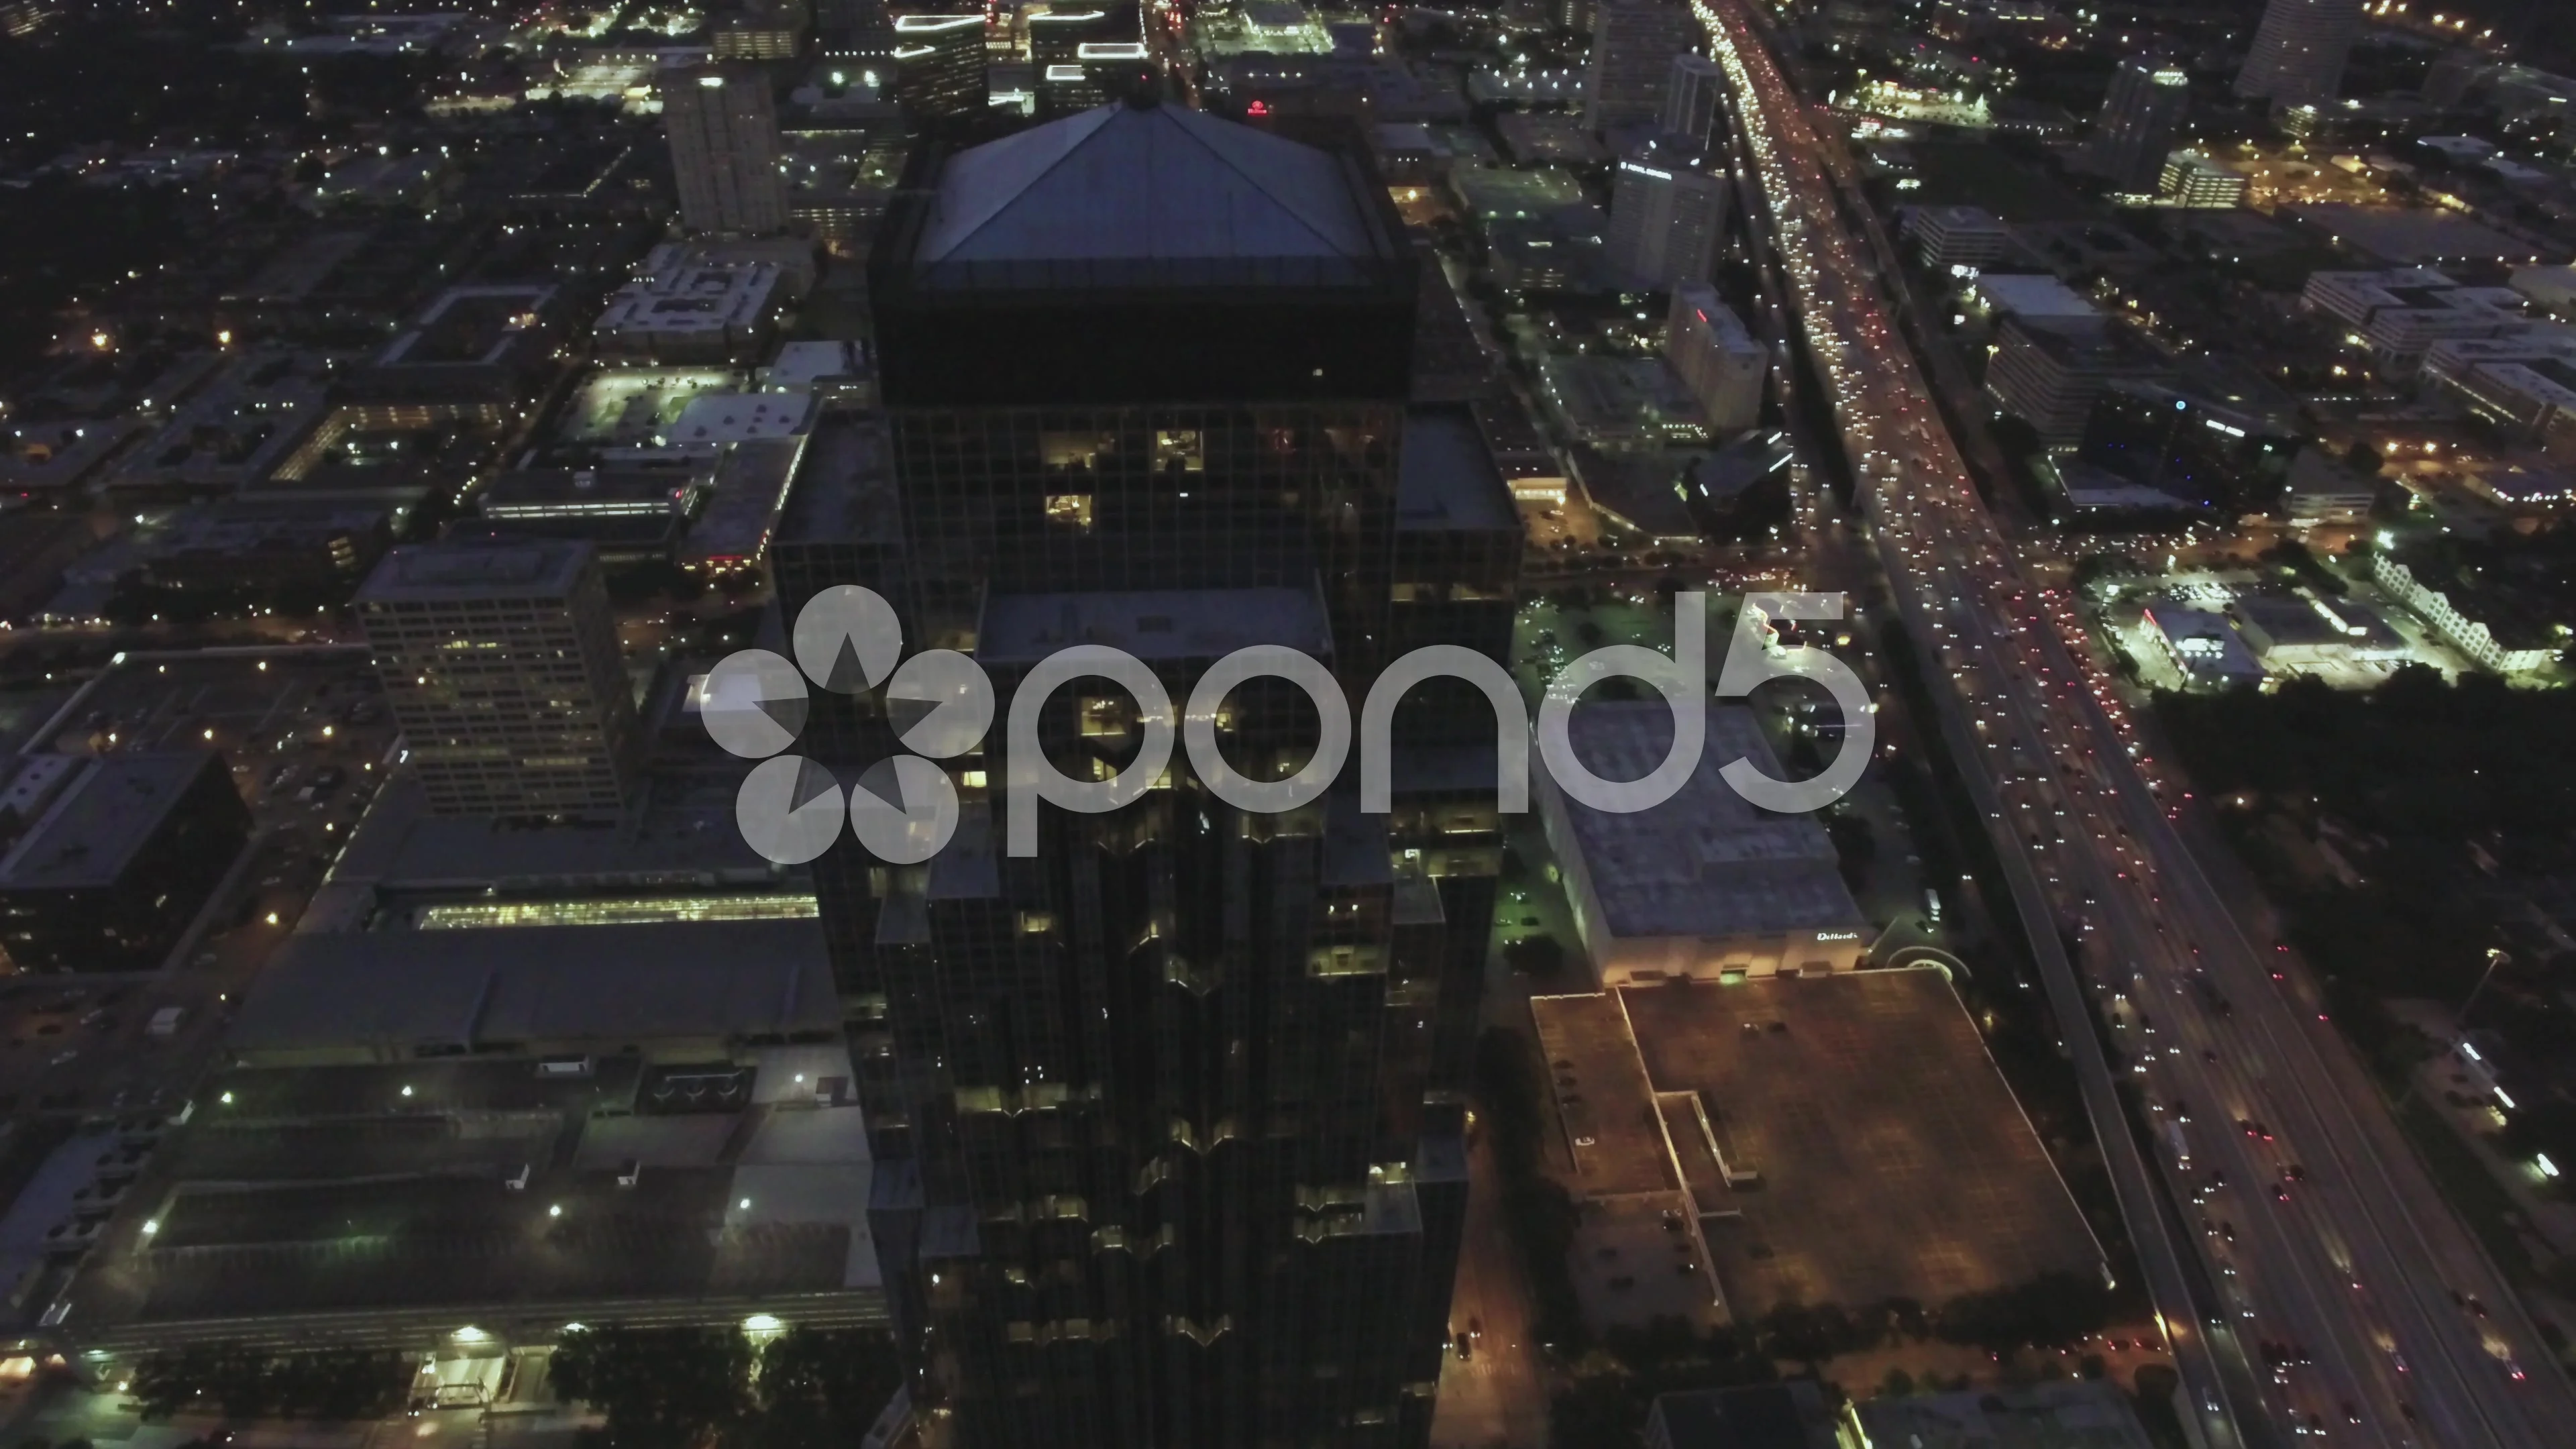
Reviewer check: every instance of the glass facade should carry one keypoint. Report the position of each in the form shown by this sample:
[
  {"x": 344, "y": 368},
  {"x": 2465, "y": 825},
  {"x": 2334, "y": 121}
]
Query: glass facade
[{"x": 1168, "y": 1116}]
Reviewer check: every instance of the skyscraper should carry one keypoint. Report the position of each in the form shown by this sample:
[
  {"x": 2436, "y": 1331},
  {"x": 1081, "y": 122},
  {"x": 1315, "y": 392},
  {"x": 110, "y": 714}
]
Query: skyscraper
[
  {"x": 1633, "y": 45},
  {"x": 2140, "y": 116},
  {"x": 724, "y": 150},
  {"x": 500, "y": 660},
  {"x": 2299, "y": 51},
  {"x": 1666, "y": 218},
  {"x": 1691, "y": 97},
  {"x": 1167, "y": 1115},
  {"x": 939, "y": 64}
]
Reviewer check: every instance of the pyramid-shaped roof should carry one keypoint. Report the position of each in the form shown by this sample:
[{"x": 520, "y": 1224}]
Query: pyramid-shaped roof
[{"x": 1149, "y": 184}]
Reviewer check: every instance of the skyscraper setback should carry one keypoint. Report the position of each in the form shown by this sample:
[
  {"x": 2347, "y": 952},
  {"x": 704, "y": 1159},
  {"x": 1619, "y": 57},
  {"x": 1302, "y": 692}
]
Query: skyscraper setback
[
  {"x": 1167, "y": 1117},
  {"x": 724, "y": 150},
  {"x": 2299, "y": 51}
]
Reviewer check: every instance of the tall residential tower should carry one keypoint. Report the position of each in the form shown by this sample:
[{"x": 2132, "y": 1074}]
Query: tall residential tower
[
  {"x": 2299, "y": 51},
  {"x": 1633, "y": 46},
  {"x": 724, "y": 150}
]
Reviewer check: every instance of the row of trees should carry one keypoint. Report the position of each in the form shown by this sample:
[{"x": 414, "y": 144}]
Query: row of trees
[
  {"x": 675, "y": 1388},
  {"x": 1603, "y": 1403},
  {"x": 247, "y": 1383}
]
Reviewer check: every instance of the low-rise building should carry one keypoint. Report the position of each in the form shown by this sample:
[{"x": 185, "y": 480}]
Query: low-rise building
[
  {"x": 2300, "y": 631},
  {"x": 2532, "y": 397},
  {"x": 1963, "y": 236},
  {"x": 472, "y": 344},
  {"x": 838, "y": 374},
  {"x": 2049, "y": 374},
  {"x": 709, "y": 302},
  {"x": 2320, "y": 489},
  {"x": 2194, "y": 180},
  {"x": 2549, "y": 289},
  {"x": 1791, "y": 1415},
  {"x": 230, "y": 434},
  {"x": 714, "y": 421},
  {"x": 2038, "y": 296},
  {"x": 2202, "y": 646},
  {"x": 1622, "y": 403},
  {"x": 1703, "y": 886},
  {"x": 2400, "y": 314},
  {"x": 278, "y": 550},
  {"x": 624, "y": 511},
  {"x": 109, "y": 875},
  {"x": 2472, "y": 637},
  {"x": 2079, "y": 1415}
]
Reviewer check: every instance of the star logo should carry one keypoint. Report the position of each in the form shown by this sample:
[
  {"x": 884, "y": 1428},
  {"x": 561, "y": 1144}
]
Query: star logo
[{"x": 847, "y": 640}]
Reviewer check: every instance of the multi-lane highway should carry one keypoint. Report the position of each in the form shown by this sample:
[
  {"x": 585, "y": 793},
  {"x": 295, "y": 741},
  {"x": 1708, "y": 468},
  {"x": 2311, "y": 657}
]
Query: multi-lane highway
[{"x": 2312, "y": 1281}]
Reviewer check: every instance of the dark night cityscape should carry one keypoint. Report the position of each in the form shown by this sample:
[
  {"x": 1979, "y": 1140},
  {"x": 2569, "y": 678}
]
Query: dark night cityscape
[{"x": 1257, "y": 724}]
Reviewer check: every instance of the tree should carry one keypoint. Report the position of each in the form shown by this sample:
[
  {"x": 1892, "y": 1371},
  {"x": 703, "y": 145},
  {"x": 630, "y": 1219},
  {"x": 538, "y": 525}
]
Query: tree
[
  {"x": 2363, "y": 459},
  {"x": 1535, "y": 955},
  {"x": 661, "y": 1388},
  {"x": 820, "y": 1389}
]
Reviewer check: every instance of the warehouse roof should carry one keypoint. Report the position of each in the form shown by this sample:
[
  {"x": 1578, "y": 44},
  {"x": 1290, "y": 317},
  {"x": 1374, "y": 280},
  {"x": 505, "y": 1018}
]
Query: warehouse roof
[{"x": 622, "y": 984}]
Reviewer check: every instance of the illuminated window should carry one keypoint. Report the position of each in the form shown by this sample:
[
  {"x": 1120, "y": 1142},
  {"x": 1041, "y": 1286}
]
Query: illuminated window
[
  {"x": 1036, "y": 923},
  {"x": 1073, "y": 510},
  {"x": 1075, "y": 450},
  {"x": 1103, "y": 718},
  {"x": 1182, "y": 449}
]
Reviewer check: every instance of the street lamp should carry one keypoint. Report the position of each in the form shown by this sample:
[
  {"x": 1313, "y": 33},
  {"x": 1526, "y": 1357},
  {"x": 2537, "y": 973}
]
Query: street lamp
[{"x": 2495, "y": 957}]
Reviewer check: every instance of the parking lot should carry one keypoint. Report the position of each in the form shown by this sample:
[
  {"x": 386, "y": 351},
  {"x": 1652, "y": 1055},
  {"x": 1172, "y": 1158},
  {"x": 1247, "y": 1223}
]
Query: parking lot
[{"x": 306, "y": 734}]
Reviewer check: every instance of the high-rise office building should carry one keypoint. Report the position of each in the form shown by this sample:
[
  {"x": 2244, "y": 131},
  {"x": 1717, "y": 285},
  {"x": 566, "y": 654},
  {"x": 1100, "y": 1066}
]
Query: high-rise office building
[
  {"x": 939, "y": 64},
  {"x": 1633, "y": 45},
  {"x": 1723, "y": 365},
  {"x": 724, "y": 150},
  {"x": 2140, "y": 116},
  {"x": 2299, "y": 51},
  {"x": 500, "y": 661},
  {"x": 1166, "y": 1115},
  {"x": 1666, "y": 218},
  {"x": 1056, "y": 32},
  {"x": 1692, "y": 95}
]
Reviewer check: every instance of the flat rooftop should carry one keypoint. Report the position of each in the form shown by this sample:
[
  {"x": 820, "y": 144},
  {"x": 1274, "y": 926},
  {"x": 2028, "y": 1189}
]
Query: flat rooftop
[
  {"x": 1705, "y": 862},
  {"x": 2406, "y": 236},
  {"x": 1447, "y": 480},
  {"x": 445, "y": 572},
  {"x": 1598, "y": 1079},
  {"x": 2041, "y": 1416},
  {"x": 101, "y": 819},
  {"x": 1847, "y": 1094},
  {"x": 414, "y": 992},
  {"x": 844, "y": 488},
  {"x": 683, "y": 835},
  {"x": 2038, "y": 295},
  {"x": 1151, "y": 623},
  {"x": 386, "y": 1190}
]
